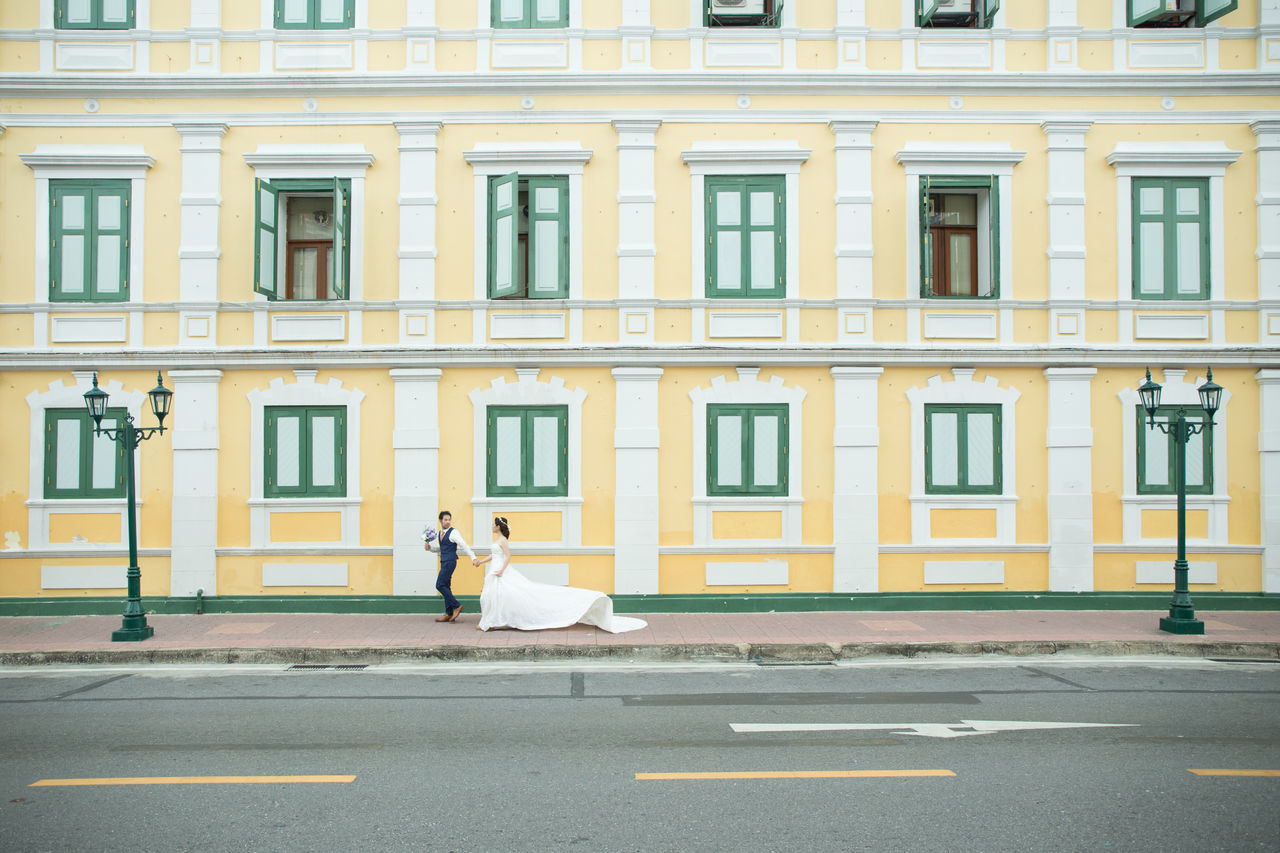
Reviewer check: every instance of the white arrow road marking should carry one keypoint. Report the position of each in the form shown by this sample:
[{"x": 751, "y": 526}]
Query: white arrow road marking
[{"x": 964, "y": 728}]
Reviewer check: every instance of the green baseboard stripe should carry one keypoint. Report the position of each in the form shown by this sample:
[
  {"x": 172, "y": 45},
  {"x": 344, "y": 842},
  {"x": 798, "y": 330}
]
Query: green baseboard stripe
[{"x": 789, "y": 602}]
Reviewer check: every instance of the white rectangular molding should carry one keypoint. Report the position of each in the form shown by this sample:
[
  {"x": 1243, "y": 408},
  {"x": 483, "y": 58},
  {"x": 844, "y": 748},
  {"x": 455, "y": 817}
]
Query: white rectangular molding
[
  {"x": 530, "y": 326},
  {"x": 304, "y": 574},
  {"x": 529, "y": 54},
  {"x": 1166, "y": 54},
  {"x": 949, "y": 53},
  {"x": 83, "y": 577},
  {"x": 93, "y": 56},
  {"x": 725, "y": 53},
  {"x": 286, "y": 328},
  {"x": 757, "y": 573},
  {"x": 745, "y": 325},
  {"x": 72, "y": 329},
  {"x": 1182, "y": 327},
  {"x": 972, "y": 326},
  {"x": 306, "y": 56},
  {"x": 963, "y": 572},
  {"x": 1161, "y": 572}
]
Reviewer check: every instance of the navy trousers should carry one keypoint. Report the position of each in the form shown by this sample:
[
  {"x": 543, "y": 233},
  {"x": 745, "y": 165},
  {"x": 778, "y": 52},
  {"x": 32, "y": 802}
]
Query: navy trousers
[{"x": 443, "y": 580}]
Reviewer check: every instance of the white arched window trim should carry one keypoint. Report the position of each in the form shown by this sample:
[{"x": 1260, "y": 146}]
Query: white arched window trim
[
  {"x": 41, "y": 509},
  {"x": 303, "y": 392},
  {"x": 962, "y": 390},
  {"x": 747, "y": 390},
  {"x": 1176, "y": 391},
  {"x": 527, "y": 391}
]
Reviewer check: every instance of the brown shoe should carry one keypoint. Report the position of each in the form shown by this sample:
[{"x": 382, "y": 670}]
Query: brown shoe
[
  {"x": 453, "y": 617},
  {"x": 444, "y": 618}
]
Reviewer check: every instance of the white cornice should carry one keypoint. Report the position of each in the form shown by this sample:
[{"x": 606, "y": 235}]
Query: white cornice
[
  {"x": 1181, "y": 157},
  {"x": 92, "y": 156},
  {"x": 934, "y": 155},
  {"x": 309, "y": 155}
]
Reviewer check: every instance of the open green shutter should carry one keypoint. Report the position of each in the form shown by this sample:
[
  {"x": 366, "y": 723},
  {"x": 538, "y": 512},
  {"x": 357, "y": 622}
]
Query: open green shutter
[
  {"x": 1208, "y": 11},
  {"x": 1141, "y": 11},
  {"x": 548, "y": 238},
  {"x": 989, "y": 12},
  {"x": 265, "y": 248},
  {"x": 776, "y": 17},
  {"x": 503, "y": 238},
  {"x": 341, "y": 251},
  {"x": 925, "y": 10},
  {"x": 993, "y": 195},
  {"x": 926, "y": 241}
]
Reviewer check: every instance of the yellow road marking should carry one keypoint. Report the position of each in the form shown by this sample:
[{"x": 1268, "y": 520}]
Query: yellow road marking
[
  {"x": 792, "y": 774},
  {"x": 187, "y": 780},
  {"x": 1234, "y": 772}
]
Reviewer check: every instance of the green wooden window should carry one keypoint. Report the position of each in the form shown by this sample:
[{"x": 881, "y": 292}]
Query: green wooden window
[
  {"x": 1157, "y": 459},
  {"x": 88, "y": 241},
  {"x": 93, "y": 14},
  {"x": 746, "y": 247},
  {"x": 747, "y": 449},
  {"x": 528, "y": 237},
  {"x": 306, "y": 451},
  {"x": 742, "y": 13},
  {"x": 959, "y": 236},
  {"x": 956, "y": 13},
  {"x": 1187, "y": 13},
  {"x": 1170, "y": 238},
  {"x": 77, "y": 463},
  {"x": 530, "y": 14},
  {"x": 315, "y": 14},
  {"x": 962, "y": 450},
  {"x": 527, "y": 451},
  {"x": 301, "y": 249}
]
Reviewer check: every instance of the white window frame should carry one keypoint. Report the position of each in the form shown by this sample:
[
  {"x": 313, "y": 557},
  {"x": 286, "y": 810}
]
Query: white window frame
[
  {"x": 1175, "y": 391},
  {"x": 527, "y": 391},
  {"x": 273, "y": 162},
  {"x": 115, "y": 162},
  {"x": 1171, "y": 160},
  {"x": 748, "y": 390},
  {"x": 909, "y": 20},
  {"x": 304, "y": 391},
  {"x": 962, "y": 390},
  {"x": 40, "y": 509}
]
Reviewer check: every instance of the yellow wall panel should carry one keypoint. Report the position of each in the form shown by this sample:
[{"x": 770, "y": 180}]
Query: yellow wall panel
[
  {"x": 599, "y": 326},
  {"x": 387, "y": 16},
  {"x": 235, "y": 330},
  {"x": 239, "y": 57},
  {"x": 884, "y": 55},
  {"x": 365, "y": 576},
  {"x": 1025, "y": 16},
  {"x": 600, "y": 55},
  {"x": 306, "y": 527},
  {"x": 1163, "y": 523},
  {"x": 92, "y": 527},
  {"x": 17, "y": 56},
  {"x": 1242, "y": 327},
  {"x": 160, "y": 330},
  {"x": 387, "y": 55},
  {"x": 1031, "y": 327},
  {"x": 1236, "y": 572},
  {"x": 669, "y": 55},
  {"x": 818, "y": 326},
  {"x": 17, "y": 329},
  {"x": 672, "y": 326},
  {"x": 962, "y": 523},
  {"x": 1095, "y": 55},
  {"x": 815, "y": 55},
  {"x": 381, "y": 328},
  {"x": 529, "y": 526},
  {"x": 453, "y": 327},
  {"x": 170, "y": 57},
  {"x": 1237, "y": 54},
  {"x": 1026, "y": 55},
  {"x": 602, "y": 14},
  {"x": 746, "y": 525},
  {"x": 1245, "y": 481},
  {"x": 1101, "y": 327},
  {"x": 889, "y": 325},
  {"x": 455, "y": 55}
]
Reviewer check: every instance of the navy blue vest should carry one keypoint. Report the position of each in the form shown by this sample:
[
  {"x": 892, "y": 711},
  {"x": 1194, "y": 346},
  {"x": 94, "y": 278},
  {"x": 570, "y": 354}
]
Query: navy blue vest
[{"x": 448, "y": 548}]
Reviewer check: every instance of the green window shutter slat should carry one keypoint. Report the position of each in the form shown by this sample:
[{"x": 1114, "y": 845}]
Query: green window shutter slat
[
  {"x": 925, "y": 10},
  {"x": 541, "y": 285},
  {"x": 1208, "y": 11},
  {"x": 342, "y": 257},
  {"x": 503, "y": 237},
  {"x": 989, "y": 12},
  {"x": 1141, "y": 11},
  {"x": 926, "y": 240},
  {"x": 266, "y": 247},
  {"x": 993, "y": 195}
]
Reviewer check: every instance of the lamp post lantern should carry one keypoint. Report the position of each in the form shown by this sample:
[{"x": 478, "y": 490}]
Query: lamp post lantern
[
  {"x": 1182, "y": 616},
  {"x": 134, "y": 625}
]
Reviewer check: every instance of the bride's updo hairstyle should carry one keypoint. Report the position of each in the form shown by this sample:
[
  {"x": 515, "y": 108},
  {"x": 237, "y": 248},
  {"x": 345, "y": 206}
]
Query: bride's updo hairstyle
[{"x": 502, "y": 525}]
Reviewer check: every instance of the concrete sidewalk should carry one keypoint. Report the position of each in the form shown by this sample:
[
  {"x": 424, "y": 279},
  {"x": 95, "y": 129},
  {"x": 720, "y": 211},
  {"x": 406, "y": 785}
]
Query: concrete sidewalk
[{"x": 820, "y": 636}]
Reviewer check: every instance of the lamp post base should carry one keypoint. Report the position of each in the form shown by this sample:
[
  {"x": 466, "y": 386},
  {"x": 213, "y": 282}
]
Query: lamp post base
[
  {"x": 1176, "y": 625},
  {"x": 132, "y": 629}
]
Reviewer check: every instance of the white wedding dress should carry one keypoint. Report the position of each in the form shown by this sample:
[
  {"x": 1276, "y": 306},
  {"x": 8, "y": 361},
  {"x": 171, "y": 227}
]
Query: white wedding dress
[{"x": 514, "y": 601}]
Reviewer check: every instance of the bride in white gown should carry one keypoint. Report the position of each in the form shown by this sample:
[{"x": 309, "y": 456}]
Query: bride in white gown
[{"x": 510, "y": 600}]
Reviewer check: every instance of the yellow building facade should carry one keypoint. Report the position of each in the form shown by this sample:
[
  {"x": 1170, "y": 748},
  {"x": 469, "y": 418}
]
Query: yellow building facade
[{"x": 705, "y": 297}]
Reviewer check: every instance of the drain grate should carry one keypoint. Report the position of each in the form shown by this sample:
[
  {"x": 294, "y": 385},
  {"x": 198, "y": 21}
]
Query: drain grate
[
  {"x": 314, "y": 667},
  {"x": 759, "y": 662}
]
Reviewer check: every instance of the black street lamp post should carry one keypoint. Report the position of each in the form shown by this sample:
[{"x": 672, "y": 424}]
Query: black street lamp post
[
  {"x": 134, "y": 625},
  {"x": 1182, "y": 616}
]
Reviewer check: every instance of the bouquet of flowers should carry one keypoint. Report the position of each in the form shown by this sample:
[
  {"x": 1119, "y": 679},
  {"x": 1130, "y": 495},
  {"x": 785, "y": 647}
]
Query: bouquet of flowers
[{"x": 428, "y": 534}]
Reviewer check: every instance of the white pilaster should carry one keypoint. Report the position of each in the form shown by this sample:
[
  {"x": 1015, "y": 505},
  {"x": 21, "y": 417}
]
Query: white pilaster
[
  {"x": 855, "y": 502},
  {"x": 637, "y": 35},
  {"x": 851, "y": 34},
  {"x": 1069, "y": 440},
  {"x": 1064, "y": 36},
  {"x": 1268, "y": 200},
  {"x": 1066, "y": 229},
  {"x": 1269, "y": 466},
  {"x": 636, "y": 442},
  {"x": 198, "y": 248},
  {"x": 415, "y": 442},
  {"x": 194, "y": 527},
  {"x": 854, "y": 247},
  {"x": 637, "y": 245},
  {"x": 417, "y": 249}
]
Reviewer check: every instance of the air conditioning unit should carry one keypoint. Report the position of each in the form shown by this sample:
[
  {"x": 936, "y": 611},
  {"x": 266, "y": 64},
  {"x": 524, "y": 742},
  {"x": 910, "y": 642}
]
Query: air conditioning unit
[{"x": 737, "y": 7}]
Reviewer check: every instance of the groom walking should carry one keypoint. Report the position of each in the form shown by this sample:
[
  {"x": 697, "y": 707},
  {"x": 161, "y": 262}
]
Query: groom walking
[{"x": 450, "y": 540}]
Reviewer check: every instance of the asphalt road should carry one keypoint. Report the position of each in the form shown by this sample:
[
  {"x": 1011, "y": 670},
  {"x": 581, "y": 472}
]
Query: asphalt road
[{"x": 587, "y": 757}]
